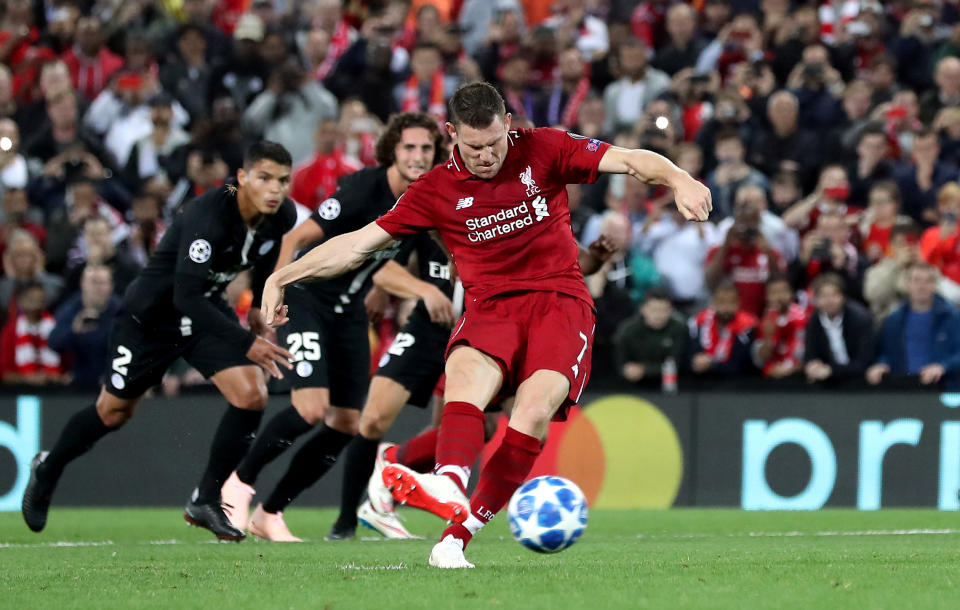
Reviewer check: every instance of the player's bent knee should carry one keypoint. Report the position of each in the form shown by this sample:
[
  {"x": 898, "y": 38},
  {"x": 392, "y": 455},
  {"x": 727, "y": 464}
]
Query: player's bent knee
[
  {"x": 254, "y": 399},
  {"x": 115, "y": 412}
]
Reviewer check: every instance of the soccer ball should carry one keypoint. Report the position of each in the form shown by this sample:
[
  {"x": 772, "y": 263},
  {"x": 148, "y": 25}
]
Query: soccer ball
[{"x": 547, "y": 514}]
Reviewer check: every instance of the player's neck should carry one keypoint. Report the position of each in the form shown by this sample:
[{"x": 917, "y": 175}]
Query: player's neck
[
  {"x": 248, "y": 211},
  {"x": 398, "y": 184}
]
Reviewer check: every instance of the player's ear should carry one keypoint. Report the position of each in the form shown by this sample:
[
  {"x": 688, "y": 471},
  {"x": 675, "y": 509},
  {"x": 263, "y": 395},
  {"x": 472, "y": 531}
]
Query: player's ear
[
  {"x": 241, "y": 176},
  {"x": 451, "y": 130},
  {"x": 506, "y": 121}
]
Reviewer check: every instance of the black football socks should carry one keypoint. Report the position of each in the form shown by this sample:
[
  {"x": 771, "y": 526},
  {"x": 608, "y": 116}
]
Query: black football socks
[
  {"x": 277, "y": 436},
  {"x": 231, "y": 442},
  {"x": 361, "y": 456},
  {"x": 311, "y": 462},
  {"x": 81, "y": 433}
]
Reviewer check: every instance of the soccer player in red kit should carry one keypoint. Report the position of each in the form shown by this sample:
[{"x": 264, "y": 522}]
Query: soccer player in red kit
[{"x": 500, "y": 205}]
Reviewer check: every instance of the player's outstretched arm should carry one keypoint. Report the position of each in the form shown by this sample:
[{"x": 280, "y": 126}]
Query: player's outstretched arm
[
  {"x": 330, "y": 259},
  {"x": 693, "y": 198}
]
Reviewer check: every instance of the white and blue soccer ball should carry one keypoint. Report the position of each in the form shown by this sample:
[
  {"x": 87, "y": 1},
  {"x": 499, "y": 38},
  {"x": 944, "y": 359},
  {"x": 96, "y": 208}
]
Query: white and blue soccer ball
[{"x": 547, "y": 514}]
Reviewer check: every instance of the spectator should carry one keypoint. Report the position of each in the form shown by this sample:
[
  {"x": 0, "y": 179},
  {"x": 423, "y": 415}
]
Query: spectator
[
  {"x": 684, "y": 46},
  {"x": 81, "y": 200},
  {"x": 730, "y": 113},
  {"x": 831, "y": 196},
  {"x": 920, "y": 180},
  {"x": 879, "y": 220},
  {"x": 9, "y": 108},
  {"x": 560, "y": 104},
  {"x": 914, "y": 48},
  {"x": 948, "y": 209},
  {"x": 779, "y": 341},
  {"x": 60, "y": 130},
  {"x": 883, "y": 78},
  {"x": 947, "y": 125},
  {"x": 732, "y": 172},
  {"x": 186, "y": 75},
  {"x": 83, "y": 325},
  {"x": 828, "y": 248},
  {"x": 818, "y": 87},
  {"x": 843, "y": 140},
  {"x": 585, "y": 32},
  {"x": 781, "y": 238},
  {"x": 148, "y": 228},
  {"x": 722, "y": 335},
  {"x": 745, "y": 258},
  {"x": 317, "y": 179},
  {"x": 839, "y": 338},
  {"x": 784, "y": 192},
  {"x": 90, "y": 62},
  {"x": 786, "y": 146},
  {"x": 163, "y": 150},
  {"x": 872, "y": 162},
  {"x": 921, "y": 339},
  {"x": 484, "y": 22},
  {"x": 25, "y": 356},
  {"x": 947, "y": 91},
  {"x": 427, "y": 89},
  {"x": 13, "y": 167},
  {"x": 739, "y": 41},
  {"x": 96, "y": 247},
  {"x": 645, "y": 341},
  {"x": 625, "y": 99},
  {"x": 519, "y": 96},
  {"x": 243, "y": 75},
  {"x": 16, "y": 213},
  {"x": 23, "y": 265},
  {"x": 206, "y": 169},
  {"x": 679, "y": 250}
]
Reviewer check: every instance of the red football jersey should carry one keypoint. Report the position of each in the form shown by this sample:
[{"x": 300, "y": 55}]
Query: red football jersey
[
  {"x": 749, "y": 269},
  {"x": 788, "y": 336},
  {"x": 512, "y": 232}
]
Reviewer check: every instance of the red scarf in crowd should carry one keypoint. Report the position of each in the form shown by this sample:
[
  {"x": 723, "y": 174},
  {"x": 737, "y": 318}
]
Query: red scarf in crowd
[
  {"x": 568, "y": 118},
  {"x": 717, "y": 341},
  {"x": 340, "y": 41},
  {"x": 437, "y": 103},
  {"x": 26, "y": 351}
]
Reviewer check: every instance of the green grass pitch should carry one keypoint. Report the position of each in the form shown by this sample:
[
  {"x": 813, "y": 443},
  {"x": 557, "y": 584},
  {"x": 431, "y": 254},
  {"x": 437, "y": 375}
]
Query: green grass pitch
[{"x": 140, "y": 558}]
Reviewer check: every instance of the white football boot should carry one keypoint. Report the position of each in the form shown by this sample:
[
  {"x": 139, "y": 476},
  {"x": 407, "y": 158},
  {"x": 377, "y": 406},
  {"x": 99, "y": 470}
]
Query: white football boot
[
  {"x": 448, "y": 554},
  {"x": 388, "y": 525}
]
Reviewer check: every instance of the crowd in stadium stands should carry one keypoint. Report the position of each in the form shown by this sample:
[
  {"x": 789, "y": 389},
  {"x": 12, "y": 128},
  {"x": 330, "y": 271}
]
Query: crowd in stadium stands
[{"x": 827, "y": 131}]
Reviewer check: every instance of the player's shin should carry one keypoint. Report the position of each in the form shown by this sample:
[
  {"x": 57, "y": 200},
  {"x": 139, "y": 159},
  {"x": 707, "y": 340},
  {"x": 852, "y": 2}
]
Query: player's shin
[
  {"x": 361, "y": 455},
  {"x": 277, "y": 436},
  {"x": 506, "y": 470},
  {"x": 311, "y": 462},
  {"x": 232, "y": 440},
  {"x": 80, "y": 434},
  {"x": 459, "y": 441}
]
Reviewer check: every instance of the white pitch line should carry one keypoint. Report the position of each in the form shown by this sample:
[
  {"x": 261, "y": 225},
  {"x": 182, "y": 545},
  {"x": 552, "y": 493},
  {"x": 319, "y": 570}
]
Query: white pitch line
[
  {"x": 904, "y": 532},
  {"x": 55, "y": 545}
]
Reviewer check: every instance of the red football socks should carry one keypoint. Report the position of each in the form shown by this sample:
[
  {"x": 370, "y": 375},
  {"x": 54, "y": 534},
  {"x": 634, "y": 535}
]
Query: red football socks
[
  {"x": 504, "y": 473},
  {"x": 419, "y": 453},
  {"x": 459, "y": 441}
]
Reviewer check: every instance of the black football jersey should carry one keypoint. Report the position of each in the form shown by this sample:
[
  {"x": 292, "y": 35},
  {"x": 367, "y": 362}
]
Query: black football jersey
[{"x": 206, "y": 247}]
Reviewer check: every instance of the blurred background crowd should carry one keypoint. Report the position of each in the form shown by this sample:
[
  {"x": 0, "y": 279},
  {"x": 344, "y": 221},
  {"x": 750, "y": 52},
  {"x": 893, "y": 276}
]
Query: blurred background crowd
[{"x": 827, "y": 131}]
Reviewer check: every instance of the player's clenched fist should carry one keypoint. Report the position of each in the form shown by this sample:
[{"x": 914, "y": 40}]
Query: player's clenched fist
[
  {"x": 268, "y": 356},
  {"x": 693, "y": 199}
]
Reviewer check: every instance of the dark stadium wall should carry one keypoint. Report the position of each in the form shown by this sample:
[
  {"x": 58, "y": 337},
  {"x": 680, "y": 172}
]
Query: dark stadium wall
[{"x": 799, "y": 451}]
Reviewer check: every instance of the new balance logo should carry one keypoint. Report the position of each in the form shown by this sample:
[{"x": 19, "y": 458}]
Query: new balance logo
[
  {"x": 527, "y": 179},
  {"x": 540, "y": 207},
  {"x": 465, "y": 202}
]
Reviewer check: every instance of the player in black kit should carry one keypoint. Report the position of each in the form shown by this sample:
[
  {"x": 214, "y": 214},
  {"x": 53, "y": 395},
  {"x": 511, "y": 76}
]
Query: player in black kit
[
  {"x": 328, "y": 336},
  {"x": 175, "y": 308}
]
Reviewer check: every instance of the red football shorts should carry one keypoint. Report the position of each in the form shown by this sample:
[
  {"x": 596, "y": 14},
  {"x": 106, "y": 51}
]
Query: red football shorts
[{"x": 528, "y": 331}]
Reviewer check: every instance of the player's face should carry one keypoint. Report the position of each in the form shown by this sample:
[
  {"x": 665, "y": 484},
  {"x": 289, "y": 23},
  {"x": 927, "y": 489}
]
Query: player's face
[
  {"x": 414, "y": 153},
  {"x": 267, "y": 184},
  {"x": 483, "y": 150}
]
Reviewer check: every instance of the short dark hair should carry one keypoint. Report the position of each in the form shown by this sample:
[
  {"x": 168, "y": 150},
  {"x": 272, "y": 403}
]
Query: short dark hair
[
  {"x": 906, "y": 227},
  {"x": 874, "y": 128},
  {"x": 387, "y": 144},
  {"x": 829, "y": 279},
  {"x": 265, "y": 149},
  {"x": 890, "y": 187},
  {"x": 476, "y": 105},
  {"x": 726, "y": 285},
  {"x": 727, "y": 133},
  {"x": 656, "y": 293}
]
